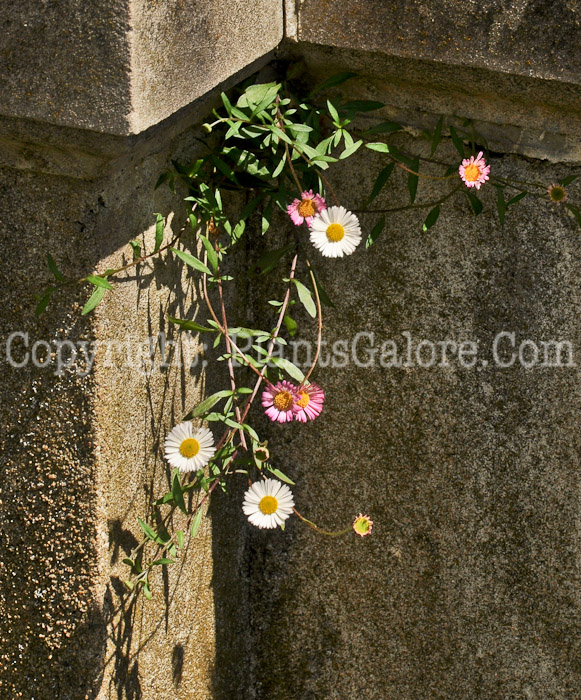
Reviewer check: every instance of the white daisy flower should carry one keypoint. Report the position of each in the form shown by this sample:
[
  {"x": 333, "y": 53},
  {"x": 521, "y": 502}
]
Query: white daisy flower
[
  {"x": 335, "y": 232},
  {"x": 268, "y": 503},
  {"x": 189, "y": 449}
]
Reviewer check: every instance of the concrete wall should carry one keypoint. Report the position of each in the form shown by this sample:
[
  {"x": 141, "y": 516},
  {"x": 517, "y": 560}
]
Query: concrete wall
[{"x": 466, "y": 587}]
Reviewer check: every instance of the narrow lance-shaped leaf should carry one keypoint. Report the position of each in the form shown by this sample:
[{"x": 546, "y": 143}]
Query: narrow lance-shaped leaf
[
  {"x": 288, "y": 367},
  {"x": 500, "y": 204},
  {"x": 437, "y": 135},
  {"x": 148, "y": 530},
  {"x": 457, "y": 142},
  {"x": 306, "y": 298},
  {"x": 413, "y": 179},
  {"x": 207, "y": 404},
  {"x": 380, "y": 181},
  {"x": 191, "y": 261},
  {"x": 431, "y": 218},
  {"x": 196, "y": 522},
  {"x": 189, "y": 325},
  {"x": 568, "y": 180},
  {"x": 53, "y": 268},
  {"x": 44, "y": 301},
  {"x": 159, "y": 224},
  {"x": 94, "y": 300},
  {"x": 176, "y": 489},
  {"x": 516, "y": 199},
  {"x": 376, "y": 231},
  {"x": 475, "y": 203},
  {"x": 99, "y": 281},
  {"x": 212, "y": 255},
  {"x": 136, "y": 247}
]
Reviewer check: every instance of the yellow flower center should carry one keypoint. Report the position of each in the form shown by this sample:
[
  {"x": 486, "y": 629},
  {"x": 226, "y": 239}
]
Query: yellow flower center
[
  {"x": 304, "y": 400},
  {"x": 362, "y": 525},
  {"x": 268, "y": 505},
  {"x": 283, "y": 401},
  {"x": 189, "y": 447},
  {"x": 335, "y": 232},
  {"x": 557, "y": 194},
  {"x": 472, "y": 172},
  {"x": 307, "y": 208}
]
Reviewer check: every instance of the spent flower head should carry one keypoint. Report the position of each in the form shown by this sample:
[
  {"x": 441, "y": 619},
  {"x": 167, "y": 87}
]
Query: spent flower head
[
  {"x": 557, "y": 193},
  {"x": 363, "y": 525}
]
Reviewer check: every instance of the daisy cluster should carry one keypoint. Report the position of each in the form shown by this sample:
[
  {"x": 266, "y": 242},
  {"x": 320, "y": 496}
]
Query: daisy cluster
[{"x": 333, "y": 230}]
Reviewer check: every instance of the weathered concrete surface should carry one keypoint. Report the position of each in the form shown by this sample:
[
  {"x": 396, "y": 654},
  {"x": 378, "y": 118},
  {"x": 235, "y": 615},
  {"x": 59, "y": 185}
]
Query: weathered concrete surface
[
  {"x": 529, "y": 37},
  {"x": 515, "y": 113},
  {"x": 468, "y": 586},
  {"x": 120, "y": 67},
  {"x": 82, "y": 456}
]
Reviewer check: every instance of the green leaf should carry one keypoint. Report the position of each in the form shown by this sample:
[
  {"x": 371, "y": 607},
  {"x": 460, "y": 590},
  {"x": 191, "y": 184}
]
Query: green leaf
[
  {"x": 382, "y": 178},
  {"x": 149, "y": 531},
  {"x": 94, "y": 300},
  {"x": 159, "y": 225},
  {"x": 147, "y": 591},
  {"x": 306, "y": 298},
  {"x": 475, "y": 203},
  {"x": 575, "y": 212},
  {"x": 180, "y": 538},
  {"x": 44, "y": 301},
  {"x": 378, "y": 146},
  {"x": 212, "y": 255},
  {"x": 99, "y": 281},
  {"x": 333, "y": 81},
  {"x": 516, "y": 199},
  {"x": 413, "y": 179},
  {"x": 53, "y": 268},
  {"x": 457, "y": 142},
  {"x": 333, "y": 112},
  {"x": 196, "y": 522},
  {"x": 350, "y": 150},
  {"x": 376, "y": 231},
  {"x": 280, "y": 475},
  {"x": 568, "y": 180},
  {"x": 384, "y": 128},
  {"x": 176, "y": 489},
  {"x": 191, "y": 261},
  {"x": 136, "y": 247},
  {"x": 189, "y": 325},
  {"x": 278, "y": 170},
  {"x": 500, "y": 204},
  {"x": 224, "y": 168},
  {"x": 291, "y": 325},
  {"x": 162, "y": 561},
  {"x": 288, "y": 367},
  {"x": 431, "y": 218},
  {"x": 207, "y": 404},
  {"x": 323, "y": 296},
  {"x": 437, "y": 136},
  {"x": 226, "y": 103}
]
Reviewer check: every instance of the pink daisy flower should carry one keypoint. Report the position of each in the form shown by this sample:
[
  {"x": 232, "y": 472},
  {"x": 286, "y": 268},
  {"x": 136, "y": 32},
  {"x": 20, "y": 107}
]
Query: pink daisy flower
[
  {"x": 309, "y": 402},
  {"x": 306, "y": 208},
  {"x": 278, "y": 399},
  {"x": 474, "y": 171}
]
